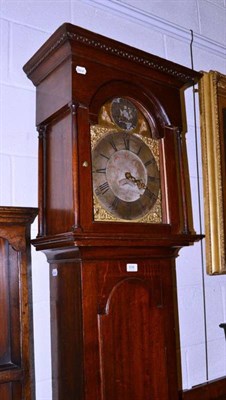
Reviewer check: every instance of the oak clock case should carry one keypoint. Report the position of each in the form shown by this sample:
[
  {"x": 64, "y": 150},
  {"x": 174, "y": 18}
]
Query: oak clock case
[{"x": 114, "y": 211}]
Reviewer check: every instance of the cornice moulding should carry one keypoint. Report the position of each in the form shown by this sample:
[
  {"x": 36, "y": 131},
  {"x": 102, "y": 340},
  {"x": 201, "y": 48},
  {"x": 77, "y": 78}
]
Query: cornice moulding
[
  {"x": 147, "y": 19},
  {"x": 79, "y": 36}
]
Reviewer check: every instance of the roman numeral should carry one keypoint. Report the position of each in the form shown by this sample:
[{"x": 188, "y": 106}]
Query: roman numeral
[
  {"x": 128, "y": 210},
  {"x": 142, "y": 206},
  {"x": 103, "y": 155},
  {"x": 101, "y": 170},
  {"x": 152, "y": 178},
  {"x": 151, "y": 161},
  {"x": 102, "y": 189},
  {"x": 126, "y": 140},
  {"x": 150, "y": 195},
  {"x": 112, "y": 143},
  {"x": 115, "y": 203},
  {"x": 139, "y": 150}
]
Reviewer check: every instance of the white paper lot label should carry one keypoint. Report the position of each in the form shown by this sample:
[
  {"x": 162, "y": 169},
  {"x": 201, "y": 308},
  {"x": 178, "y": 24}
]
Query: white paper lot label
[
  {"x": 80, "y": 70},
  {"x": 131, "y": 267}
]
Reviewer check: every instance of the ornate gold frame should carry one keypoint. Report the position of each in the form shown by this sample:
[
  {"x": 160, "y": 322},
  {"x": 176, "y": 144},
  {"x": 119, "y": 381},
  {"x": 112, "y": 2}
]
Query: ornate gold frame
[{"x": 212, "y": 95}]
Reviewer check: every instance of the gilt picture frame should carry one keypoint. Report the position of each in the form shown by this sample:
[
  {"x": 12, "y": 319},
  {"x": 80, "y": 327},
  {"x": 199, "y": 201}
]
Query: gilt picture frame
[{"x": 212, "y": 95}]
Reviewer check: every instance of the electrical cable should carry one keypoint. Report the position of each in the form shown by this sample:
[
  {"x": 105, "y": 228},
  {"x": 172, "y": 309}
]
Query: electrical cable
[{"x": 199, "y": 208}]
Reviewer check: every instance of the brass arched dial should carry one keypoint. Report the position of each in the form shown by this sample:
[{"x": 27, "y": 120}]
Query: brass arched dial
[{"x": 126, "y": 177}]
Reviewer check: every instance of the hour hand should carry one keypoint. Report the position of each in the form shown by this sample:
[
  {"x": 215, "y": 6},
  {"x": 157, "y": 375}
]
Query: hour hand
[{"x": 138, "y": 182}]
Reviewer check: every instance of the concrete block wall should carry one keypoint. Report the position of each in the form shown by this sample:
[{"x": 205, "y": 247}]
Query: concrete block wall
[{"x": 161, "y": 27}]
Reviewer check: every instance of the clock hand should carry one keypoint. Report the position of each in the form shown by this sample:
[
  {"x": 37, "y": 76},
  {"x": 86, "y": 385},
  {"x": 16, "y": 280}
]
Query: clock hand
[{"x": 138, "y": 182}]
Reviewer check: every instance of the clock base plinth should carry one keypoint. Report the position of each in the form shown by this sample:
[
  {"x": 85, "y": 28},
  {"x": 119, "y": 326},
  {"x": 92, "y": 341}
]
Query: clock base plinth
[{"x": 113, "y": 323}]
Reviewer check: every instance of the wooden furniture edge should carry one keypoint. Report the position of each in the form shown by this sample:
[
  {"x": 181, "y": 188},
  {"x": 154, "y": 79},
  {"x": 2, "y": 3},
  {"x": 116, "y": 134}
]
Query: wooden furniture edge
[{"x": 212, "y": 390}]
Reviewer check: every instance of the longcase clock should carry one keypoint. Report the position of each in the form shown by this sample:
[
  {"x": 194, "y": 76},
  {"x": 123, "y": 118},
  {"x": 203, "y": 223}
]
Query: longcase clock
[{"x": 114, "y": 211}]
